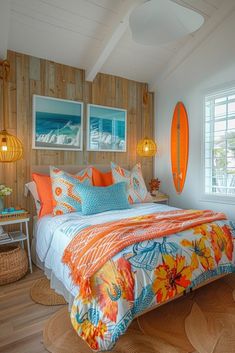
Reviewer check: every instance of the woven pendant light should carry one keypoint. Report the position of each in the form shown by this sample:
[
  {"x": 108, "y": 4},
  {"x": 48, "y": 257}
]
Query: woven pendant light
[
  {"x": 146, "y": 147},
  {"x": 11, "y": 148}
]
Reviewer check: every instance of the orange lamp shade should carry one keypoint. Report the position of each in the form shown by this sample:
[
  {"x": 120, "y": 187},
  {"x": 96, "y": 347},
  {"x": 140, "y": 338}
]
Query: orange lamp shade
[
  {"x": 11, "y": 148},
  {"x": 146, "y": 147}
]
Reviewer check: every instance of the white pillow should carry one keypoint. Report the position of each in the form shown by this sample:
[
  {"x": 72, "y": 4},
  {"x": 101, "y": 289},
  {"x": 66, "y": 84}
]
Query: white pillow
[{"x": 32, "y": 188}]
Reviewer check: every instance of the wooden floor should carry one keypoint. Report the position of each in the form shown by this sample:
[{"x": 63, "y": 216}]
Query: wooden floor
[{"x": 22, "y": 320}]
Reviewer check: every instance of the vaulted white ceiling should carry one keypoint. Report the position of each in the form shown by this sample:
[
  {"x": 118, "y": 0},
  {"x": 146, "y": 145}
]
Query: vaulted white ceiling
[{"x": 90, "y": 34}]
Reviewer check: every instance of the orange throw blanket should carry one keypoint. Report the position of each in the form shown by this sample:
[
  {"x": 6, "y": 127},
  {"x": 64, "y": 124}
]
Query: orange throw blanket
[{"x": 92, "y": 247}]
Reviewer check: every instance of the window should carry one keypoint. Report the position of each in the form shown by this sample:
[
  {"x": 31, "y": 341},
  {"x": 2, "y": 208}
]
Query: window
[{"x": 219, "y": 157}]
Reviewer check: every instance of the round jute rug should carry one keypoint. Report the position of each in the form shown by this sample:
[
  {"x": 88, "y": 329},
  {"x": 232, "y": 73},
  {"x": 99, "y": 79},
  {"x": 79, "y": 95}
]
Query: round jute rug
[
  {"x": 42, "y": 293},
  {"x": 201, "y": 322},
  {"x": 60, "y": 337}
]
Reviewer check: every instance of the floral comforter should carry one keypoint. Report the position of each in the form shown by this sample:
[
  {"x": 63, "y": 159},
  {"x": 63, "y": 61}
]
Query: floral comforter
[{"x": 148, "y": 273}]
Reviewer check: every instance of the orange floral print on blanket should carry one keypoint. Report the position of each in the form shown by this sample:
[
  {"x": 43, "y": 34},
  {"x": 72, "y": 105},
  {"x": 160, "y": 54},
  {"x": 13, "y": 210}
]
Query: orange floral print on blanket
[
  {"x": 172, "y": 278},
  {"x": 92, "y": 247}
]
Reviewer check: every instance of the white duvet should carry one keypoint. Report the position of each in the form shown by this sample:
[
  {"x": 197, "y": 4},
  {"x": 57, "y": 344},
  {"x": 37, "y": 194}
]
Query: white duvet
[{"x": 53, "y": 235}]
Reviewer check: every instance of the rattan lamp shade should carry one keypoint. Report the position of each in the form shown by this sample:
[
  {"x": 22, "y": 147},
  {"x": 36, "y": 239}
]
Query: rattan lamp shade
[
  {"x": 146, "y": 148},
  {"x": 11, "y": 148}
]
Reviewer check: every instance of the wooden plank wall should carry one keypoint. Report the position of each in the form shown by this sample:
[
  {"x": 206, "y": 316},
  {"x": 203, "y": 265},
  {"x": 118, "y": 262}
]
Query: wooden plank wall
[{"x": 30, "y": 75}]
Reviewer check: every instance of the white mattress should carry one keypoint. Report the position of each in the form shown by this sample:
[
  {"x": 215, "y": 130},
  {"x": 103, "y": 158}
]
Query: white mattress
[{"x": 51, "y": 240}]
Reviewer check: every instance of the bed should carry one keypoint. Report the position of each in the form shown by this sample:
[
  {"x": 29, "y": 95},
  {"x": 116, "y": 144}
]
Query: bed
[{"x": 138, "y": 278}]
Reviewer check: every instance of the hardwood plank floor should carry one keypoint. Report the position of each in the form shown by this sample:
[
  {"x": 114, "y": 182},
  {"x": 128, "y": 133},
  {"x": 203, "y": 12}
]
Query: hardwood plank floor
[{"x": 22, "y": 320}]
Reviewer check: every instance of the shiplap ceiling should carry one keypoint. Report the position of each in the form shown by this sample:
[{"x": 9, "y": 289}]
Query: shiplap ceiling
[{"x": 90, "y": 34}]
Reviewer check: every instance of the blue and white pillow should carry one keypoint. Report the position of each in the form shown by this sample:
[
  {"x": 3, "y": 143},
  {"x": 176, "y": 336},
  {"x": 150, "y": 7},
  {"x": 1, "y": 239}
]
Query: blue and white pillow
[{"x": 97, "y": 199}]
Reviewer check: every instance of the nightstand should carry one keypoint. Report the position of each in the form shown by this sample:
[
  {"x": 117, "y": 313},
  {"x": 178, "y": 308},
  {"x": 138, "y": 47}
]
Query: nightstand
[
  {"x": 161, "y": 198},
  {"x": 18, "y": 236}
]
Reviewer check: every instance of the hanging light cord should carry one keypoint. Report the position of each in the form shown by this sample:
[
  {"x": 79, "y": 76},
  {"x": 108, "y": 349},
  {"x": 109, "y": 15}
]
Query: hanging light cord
[
  {"x": 4, "y": 76},
  {"x": 146, "y": 114}
]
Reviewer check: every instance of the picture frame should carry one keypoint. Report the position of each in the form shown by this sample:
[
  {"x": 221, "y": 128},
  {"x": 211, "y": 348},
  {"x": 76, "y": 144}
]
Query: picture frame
[
  {"x": 57, "y": 124},
  {"x": 106, "y": 129}
]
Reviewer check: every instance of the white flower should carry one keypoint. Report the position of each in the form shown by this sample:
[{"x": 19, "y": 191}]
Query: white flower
[{"x": 5, "y": 190}]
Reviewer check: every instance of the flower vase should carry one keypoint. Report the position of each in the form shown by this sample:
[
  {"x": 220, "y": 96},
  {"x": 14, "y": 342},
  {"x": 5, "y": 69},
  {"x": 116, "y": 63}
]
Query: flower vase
[
  {"x": 1, "y": 204},
  {"x": 155, "y": 192}
]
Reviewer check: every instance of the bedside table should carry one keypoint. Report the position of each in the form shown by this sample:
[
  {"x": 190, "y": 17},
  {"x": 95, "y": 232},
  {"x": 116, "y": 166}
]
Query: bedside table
[
  {"x": 161, "y": 198},
  {"x": 18, "y": 236}
]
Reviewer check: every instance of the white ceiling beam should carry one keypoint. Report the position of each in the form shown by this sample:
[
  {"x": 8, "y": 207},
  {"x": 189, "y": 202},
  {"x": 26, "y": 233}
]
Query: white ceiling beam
[
  {"x": 112, "y": 38},
  {"x": 4, "y": 27}
]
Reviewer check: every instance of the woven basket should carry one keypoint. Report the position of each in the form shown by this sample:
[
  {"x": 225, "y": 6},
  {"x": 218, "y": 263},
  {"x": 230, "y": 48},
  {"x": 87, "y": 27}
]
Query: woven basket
[{"x": 13, "y": 264}]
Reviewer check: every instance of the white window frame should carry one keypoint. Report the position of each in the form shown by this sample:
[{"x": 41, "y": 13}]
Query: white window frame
[{"x": 210, "y": 197}]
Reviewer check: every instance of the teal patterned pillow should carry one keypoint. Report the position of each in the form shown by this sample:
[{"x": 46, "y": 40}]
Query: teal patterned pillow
[{"x": 97, "y": 199}]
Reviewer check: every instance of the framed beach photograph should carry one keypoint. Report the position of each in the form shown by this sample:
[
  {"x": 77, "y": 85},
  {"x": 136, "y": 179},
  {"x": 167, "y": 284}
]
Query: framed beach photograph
[
  {"x": 106, "y": 129},
  {"x": 57, "y": 124}
]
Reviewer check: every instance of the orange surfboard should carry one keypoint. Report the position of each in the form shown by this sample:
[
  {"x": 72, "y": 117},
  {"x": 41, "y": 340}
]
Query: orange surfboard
[{"x": 179, "y": 146}]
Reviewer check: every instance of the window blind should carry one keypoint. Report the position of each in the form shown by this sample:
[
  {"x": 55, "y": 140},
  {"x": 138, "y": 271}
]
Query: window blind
[{"x": 219, "y": 137}]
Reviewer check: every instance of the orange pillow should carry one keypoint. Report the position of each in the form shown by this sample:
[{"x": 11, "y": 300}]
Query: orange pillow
[
  {"x": 101, "y": 179},
  {"x": 44, "y": 188}
]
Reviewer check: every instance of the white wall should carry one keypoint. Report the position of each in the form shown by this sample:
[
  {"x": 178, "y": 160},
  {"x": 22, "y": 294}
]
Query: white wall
[{"x": 210, "y": 66}]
